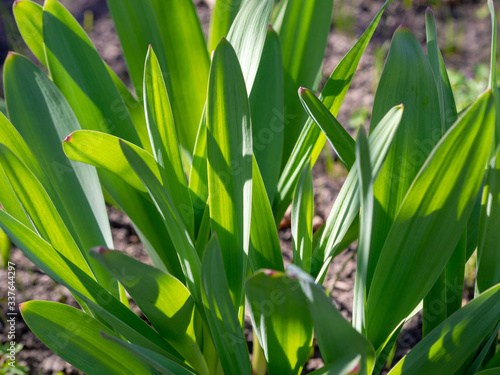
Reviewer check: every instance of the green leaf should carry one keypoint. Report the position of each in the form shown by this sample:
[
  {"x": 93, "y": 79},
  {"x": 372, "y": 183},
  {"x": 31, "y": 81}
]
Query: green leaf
[
  {"x": 4, "y": 249},
  {"x": 229, "y": 151},
  {"x": 488, "y": 270},
  {"x": 183, "y": 244},
  {"x": 311, "y": 139},
  {"x": 341, "y": 141},
  {"x": 221, "y": 314},
  {"x": 265, "y": 250},
  {"x": 63, "y": 271},
  {"x": 198, "y": 178},
  {"x": 161, "y": 363},
  {"x": 248, "y": 39},
  {"x": 103, "y": 151},
  {"x": 407, "y": 78},
  {"x": 303, "y": 32},
  {"x": 349, "y": 366},
  {"x": 267, "y": 106},
  {"x": 248, "y": 35},
  {"x": 164, "y": 139},
  {"x": 346, "y": 206},
  {"x": 187, "y": 66},
  {"x": 76, "y": 337},
  {"x": 43, "y": 118},
  {"x": 448, "y": 346},
  {"x": 338, "y": 341},
  {"x": 137, "y": 27},
  {"x": 430, "y": 221},
  {"x": 163, "y": 299},
  {"x": 493, "y": 70},
  {"x": 81, "y": 75},
  {"x": 283, "y": 326},
  {"x": 223, "y": 15},
  {"x": 42, "y": 212},
  {"x": 365, "y": 230},
  {"x": 3, "y": 107},
  {"x": 29, "y": 20},
  {"x": 491, "y": 371},
  {"x": 302, "y": 220}
]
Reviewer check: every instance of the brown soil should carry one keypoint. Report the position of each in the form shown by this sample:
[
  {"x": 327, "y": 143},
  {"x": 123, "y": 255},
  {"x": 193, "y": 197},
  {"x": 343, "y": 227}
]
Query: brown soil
[{"x": 466, "y": 37}]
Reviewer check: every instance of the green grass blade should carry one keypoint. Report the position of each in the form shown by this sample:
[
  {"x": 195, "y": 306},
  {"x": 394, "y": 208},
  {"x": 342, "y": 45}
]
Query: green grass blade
[
  {"x": 229, "y": 151},
  {"x": 407, "y": 78},
  {"x": 267, "y": 106},
  {"x": 188, "y": 63},
  {"x": 103, "y": 151},
  {"x": 337, "y": 339},
  {"x": 164, "y": 139},
  {"x": 302, "y": 220},
  {"x": 488, "y": 270},
  {"x": 44, "y": 118},
  {"x": 446, "y": 348},
  {"x": 163, "y": 299},
  {"x": 431, "y": 220},
  {"x": 221, "y": 314},
  {"x": 346, "y": 206},
  {"x": 81, "y": 75},
  {"x": 183, "y": 244},
  {"x": 366, "y": 222},
  {"x": 223, "y": 15},
  {"x": 311, "y": 139},
  {"x": 341, "y": 141},
  {"x": 282, "y": 324},
  {"x": 265, "y": 249},
  {"x": 75, "y": 337},
  {"x": 303, "y": 34}
]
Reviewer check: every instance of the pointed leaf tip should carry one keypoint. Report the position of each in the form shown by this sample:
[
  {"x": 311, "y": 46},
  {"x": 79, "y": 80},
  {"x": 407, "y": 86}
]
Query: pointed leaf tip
[
  {"x": 429, "y": 10},
  {"x": 102, "y": 250},
  {"x": 302, "y": 90},
  {"x": 68, "y": 138}
]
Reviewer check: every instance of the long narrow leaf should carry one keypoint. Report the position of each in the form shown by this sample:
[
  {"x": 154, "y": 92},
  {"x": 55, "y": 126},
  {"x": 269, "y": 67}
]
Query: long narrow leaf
[
  {"x": 431, "y": 220},
  {"x": 229, "y": 151}
]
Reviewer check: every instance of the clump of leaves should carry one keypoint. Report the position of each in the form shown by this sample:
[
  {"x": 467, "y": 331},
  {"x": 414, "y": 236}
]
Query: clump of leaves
[{"x": 205, "y": 159}]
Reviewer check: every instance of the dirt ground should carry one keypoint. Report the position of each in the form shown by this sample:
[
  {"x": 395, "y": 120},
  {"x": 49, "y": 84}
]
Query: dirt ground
[{"x": 464, "y": 36}]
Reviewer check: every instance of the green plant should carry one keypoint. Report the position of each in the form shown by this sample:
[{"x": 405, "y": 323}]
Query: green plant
[{"x": 248, "y": 147}]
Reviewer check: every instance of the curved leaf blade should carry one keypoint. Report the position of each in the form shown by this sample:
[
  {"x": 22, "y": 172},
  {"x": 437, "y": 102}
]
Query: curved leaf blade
[
  {"x": 75, "y": 337},
  {"x": 430, "y": 221}
]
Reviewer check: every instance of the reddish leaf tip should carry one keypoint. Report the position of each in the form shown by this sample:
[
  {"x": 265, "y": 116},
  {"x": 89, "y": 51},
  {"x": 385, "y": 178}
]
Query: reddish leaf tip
[
  {"x": 402, "y": 28},
  {"x": 302, "y": 90},
  {"x": 429, "y": 9},
  {"x": 355, "y": 370},
  {"x": 101, "y": 250},
  {"x": 270, "y": 273},
  {"x": 15, "y": 3},
  {"x": 68, "y": 138}
]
